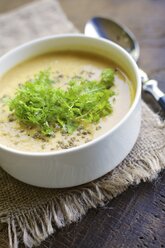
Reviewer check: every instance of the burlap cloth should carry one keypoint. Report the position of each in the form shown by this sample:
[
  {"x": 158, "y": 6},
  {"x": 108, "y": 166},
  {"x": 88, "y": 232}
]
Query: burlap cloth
[{"x": 31, "y": 214}]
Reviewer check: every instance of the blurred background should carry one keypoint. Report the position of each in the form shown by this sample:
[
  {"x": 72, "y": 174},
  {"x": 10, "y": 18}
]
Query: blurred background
[{"x": 145, "y": 18}]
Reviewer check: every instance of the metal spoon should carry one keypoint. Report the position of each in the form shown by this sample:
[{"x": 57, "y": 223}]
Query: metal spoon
[{"x": 108, "y": 29}]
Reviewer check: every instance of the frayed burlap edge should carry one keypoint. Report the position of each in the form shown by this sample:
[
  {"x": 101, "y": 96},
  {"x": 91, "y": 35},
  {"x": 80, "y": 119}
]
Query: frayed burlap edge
[{"x": 34, "y": 226}]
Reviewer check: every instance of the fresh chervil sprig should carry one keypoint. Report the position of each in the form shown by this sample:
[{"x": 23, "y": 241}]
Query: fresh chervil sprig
[{"x": 39, "y": 104}]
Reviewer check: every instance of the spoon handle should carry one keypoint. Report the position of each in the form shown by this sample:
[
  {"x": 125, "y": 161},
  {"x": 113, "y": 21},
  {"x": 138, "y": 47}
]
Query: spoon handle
[
  {"x": 151, "y": 86},
  {"x": 162, "y": 102}
]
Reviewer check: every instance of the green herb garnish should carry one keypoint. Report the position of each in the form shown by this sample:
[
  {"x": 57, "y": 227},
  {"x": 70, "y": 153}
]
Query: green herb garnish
[{"x": 44, "y": 106}]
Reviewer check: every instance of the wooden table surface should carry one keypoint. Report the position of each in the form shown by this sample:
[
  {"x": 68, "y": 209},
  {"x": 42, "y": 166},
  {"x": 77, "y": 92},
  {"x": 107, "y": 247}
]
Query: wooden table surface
[{"x": 136, "y": 218}]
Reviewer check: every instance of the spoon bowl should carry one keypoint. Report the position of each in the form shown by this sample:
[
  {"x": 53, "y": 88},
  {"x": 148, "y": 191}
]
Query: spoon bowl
[
  {"x": 108, "y": 29},
  {"x": 111, "y": 30}
]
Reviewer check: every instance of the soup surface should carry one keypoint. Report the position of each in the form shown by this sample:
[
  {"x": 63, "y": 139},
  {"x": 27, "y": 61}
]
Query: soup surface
[{"x": 64, "y": 66}]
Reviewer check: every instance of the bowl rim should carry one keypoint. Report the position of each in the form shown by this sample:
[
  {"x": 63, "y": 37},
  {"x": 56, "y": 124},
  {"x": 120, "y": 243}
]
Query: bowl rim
[{"x": 101, "y": 137}]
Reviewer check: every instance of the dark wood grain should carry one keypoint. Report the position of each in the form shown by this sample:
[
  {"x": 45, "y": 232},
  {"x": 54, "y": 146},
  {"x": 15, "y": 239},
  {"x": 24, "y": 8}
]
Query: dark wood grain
[
  {"x": 134, "y": 219},
  {"x": 137, "y": 217}
]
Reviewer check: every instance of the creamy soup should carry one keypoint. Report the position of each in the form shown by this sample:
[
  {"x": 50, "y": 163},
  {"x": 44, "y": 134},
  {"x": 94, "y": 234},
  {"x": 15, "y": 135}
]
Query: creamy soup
[{"x": 63, "y": 65}]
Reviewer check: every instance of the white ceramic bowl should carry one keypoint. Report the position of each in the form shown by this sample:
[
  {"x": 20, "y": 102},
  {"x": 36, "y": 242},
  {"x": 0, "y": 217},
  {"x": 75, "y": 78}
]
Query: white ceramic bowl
[{"x": 87, "y": 162}]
